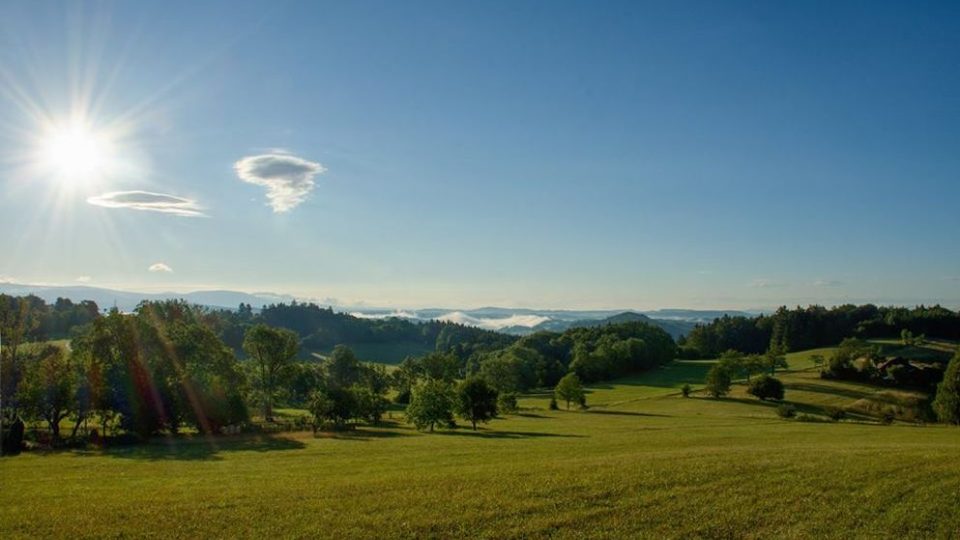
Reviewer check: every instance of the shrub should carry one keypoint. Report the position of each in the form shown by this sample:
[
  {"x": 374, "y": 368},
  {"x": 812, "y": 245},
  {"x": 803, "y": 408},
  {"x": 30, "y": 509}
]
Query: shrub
[
  {"x": 786, "y": 410},
  {"x": 686, "y": 390},
  {"x": 718, "y": 381},
  {"x": 766, "y": 387},
  {"x": 507, "y": 403},
  {"x": 835, "y": 413},
  {"x": 888, "y": 418},
  {"x": 553, "y": 404}
]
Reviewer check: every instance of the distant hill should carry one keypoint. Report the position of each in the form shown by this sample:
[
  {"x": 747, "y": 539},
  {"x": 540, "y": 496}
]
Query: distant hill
[
  {"x": 675, "y": 328},
  {"x": 128, "y": 300},
  {"x": 513, "y": 321}
]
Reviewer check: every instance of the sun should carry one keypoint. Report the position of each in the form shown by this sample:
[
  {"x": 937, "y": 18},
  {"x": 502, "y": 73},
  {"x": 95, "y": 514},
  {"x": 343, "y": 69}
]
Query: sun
[{"x": 74, "y": 152}]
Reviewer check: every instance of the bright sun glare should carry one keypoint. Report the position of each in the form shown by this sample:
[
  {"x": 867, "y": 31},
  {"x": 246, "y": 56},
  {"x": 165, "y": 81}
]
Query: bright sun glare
[{"x": 74, "y": 152}]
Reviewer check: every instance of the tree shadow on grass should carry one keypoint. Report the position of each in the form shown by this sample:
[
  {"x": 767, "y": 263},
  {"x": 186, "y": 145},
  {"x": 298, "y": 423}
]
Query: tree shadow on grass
[
  {"x": 625, "y": 413},
  {"x": 494, "y": 434},
  {"x": 529, "y": 415},
  {"x": 827, "y": 389},
  {"x": 803, "y": 408},
  {"x": 196, "y": 448},
  {"x": 360, "y": 434}
]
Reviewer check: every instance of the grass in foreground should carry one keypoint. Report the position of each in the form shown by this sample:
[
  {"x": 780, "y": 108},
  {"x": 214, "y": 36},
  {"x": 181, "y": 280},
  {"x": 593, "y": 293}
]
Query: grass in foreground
[{"x": 642, "y": 462}]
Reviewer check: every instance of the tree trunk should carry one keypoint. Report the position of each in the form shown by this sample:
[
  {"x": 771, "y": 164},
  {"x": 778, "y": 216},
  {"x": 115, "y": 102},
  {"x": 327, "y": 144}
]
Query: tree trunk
[
  {"x": 80, "y": 419},
  {"x": 55, "y": 427},
  {"x": 268, "y": 411},
  {"x": 474, "y": 424}
]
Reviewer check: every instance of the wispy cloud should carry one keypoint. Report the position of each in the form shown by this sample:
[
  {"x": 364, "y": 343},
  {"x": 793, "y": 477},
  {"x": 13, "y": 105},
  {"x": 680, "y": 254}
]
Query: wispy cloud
[
  {"x": 288, "y": 178},
  {"x": 7, "y": 279},
  {"x": 149, "y": 202},
  {"x": 827, "y": 283},
  {"x": 763, "y": 283},
  {"x": 159, "y": 267},
  {"x": 84, "y": 279}
]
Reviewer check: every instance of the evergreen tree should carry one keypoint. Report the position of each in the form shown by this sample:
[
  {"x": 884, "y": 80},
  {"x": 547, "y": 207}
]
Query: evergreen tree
[{"x": 947, "y": 402}]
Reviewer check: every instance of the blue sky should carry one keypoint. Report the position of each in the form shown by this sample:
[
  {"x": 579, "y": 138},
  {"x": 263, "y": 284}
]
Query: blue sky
[{"x": 541, "y": 154}]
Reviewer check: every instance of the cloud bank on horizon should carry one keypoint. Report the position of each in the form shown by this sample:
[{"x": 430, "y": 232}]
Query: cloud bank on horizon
[
  {"x": 459, "y": 317},
  {"x": 288, "y": 178}
]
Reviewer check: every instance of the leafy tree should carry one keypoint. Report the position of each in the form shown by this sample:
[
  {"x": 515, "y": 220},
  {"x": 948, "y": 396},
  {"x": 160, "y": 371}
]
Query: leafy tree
[
  {"x": 431, "y": 405},
  {"x": 947, "y": 402},
  {"x": 49, "y": 389},
  {"x": 774, "y": 359},
  {"x": 321, "y": 407},
  {"x": 273, "y": 351},
  {"x": 766, "y": 387},
  {"x": 818, "y": 361},
  {"x": 370, "y": 405},
  {"x": 569, "y": 389},
  {"x": 718, "y": 381},
  {"x": 371, "y": 392},
  {"x": 476, "y": 401},
  {"x": 440, "y": 366},
  {"x": 334, "y": 405},
  {"x": 342, "y": 367}
]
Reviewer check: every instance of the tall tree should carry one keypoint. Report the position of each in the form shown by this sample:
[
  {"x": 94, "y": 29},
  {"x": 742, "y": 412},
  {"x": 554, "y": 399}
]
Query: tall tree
[
  {"x": 342, "y": 367},
  {"x": 431, "y": 405},
  {"x": 273, "y": 351},
  {"x": 476, "y": 401},
  {"x": 569, "y": 389},
  {"x": 947, "y": 402},
  {"x": 49, "y": 388}
]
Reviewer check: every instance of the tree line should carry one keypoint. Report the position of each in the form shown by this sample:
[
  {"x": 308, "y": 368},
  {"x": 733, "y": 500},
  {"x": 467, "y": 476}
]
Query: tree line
[
  {"x": 164, "y": 368},
  {"x": 815, "y": 326}
]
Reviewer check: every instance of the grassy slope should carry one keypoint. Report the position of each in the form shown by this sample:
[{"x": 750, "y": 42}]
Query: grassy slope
[
  {"x": 386, "y": 353},
  {"x": 641, "y": 462}
]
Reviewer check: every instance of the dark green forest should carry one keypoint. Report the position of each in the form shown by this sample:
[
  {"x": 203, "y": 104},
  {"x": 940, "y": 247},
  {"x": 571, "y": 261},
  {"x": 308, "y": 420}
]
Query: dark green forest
[{"x": 811, "y": 327}]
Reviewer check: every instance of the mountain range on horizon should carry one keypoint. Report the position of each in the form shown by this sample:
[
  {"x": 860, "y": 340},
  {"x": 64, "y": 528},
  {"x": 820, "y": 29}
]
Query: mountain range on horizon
[{"x": 515, "y": 321}]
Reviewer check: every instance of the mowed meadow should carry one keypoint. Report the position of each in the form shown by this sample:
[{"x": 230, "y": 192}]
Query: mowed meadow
[{"x": 643, "y": 461}]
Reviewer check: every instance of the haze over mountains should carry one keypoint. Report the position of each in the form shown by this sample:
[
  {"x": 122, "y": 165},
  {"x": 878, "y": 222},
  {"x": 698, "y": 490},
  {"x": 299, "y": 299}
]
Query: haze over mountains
[{"x": 516, "y": 321}]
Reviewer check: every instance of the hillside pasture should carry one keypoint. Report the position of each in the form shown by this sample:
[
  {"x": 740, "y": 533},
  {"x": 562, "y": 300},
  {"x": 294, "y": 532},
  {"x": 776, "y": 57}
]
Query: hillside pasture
[{"x": 642, "y": 461}]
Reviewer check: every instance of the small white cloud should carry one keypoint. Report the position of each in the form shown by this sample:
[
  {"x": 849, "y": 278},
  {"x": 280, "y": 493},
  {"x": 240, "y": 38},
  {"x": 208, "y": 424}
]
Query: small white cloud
[
  {"x": 7, "y": 279},
  {"x": 159, "y": 267},
  {"x": 288, "y": 178},
  {"x": 765, "y": 284},
  {"x": 149, "y": 202},
  {"x": 827, "y": 283},
  {"x": 84, "y": 279}
]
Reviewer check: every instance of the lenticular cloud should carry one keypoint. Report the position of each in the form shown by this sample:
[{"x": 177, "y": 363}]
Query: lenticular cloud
[
  {"x": 149, "y": 202},
  {"x": 288, "y": 179}
]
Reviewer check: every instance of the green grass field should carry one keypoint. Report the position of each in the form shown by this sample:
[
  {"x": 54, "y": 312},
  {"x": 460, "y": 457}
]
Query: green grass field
[{"x": 642, "y": 462}]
